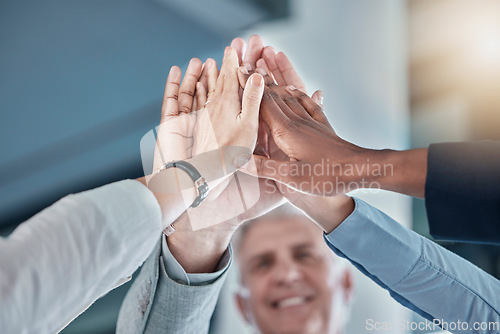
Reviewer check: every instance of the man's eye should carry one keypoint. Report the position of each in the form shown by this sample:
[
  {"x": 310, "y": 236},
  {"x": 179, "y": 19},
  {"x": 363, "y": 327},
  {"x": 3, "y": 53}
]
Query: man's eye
[
  {"x": 262, "y": 264},
  {"x": 303, "y": 255}
]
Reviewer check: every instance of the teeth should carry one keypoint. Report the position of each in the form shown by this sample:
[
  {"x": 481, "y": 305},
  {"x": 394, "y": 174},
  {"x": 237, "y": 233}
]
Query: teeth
[{"x": 291, "y": 302}]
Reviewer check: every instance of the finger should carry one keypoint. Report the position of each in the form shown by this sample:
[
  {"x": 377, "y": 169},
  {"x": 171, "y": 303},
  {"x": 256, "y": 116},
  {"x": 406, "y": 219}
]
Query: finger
[
  {"x": 238, "y": 44},
  {"x": 231, "y": 84},
  {"x": 188, "y": 86},
  {"x": 262, "y": 147},
  {"x": 269, "y": 56},
  {"x": 212, "y": 74},
  {"x": 254, "y": 51},
  {"x": 243, "y": 76},
  {"x": 271, "y": 113},
  {"x": 295, "y": 106},
  {"x": 269, "y": 81},
  {"x": 220, "y": 79},
  {"x": 261, "y": 63},
  {"x": 252, "y": 96},
  {"x": 279, "y": 95},
  {"x": 170, "y": 98},
  {"x": 313, "y": 109},
  {"x": 318, "y": 97},
  {"x": 201, "y": 95},
  {"x": 204, "y": 74},
  {"x": 288, "y": 71}
]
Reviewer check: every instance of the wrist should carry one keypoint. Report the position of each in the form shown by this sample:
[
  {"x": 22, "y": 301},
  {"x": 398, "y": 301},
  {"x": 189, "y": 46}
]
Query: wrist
[
  {"x": 379, "y": 166},
  {"x": 217, "y": 165},
  {"x": 327, "y": 212},
  {"x": 199, "y": 251},
  {"x": 355, "y": 167},
  {"x": 402, "y": 171}
]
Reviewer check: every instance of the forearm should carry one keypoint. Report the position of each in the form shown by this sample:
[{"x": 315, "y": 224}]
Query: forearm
[
  {"x": 327, "y": 212},
  {"x": 418, "y": 273},
  {"x": 399, "y": 171},
  {"x": 199, "y": 251},
  {"x": 83, "y": 245}
]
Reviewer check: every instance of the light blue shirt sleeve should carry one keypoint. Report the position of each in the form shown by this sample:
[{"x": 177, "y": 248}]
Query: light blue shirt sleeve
[
  {"x": 175, "y": 271},
  {"x": 418, "y": 273}
]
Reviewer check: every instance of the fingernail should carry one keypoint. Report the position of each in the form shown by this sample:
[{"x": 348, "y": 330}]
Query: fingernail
[
  {"x": 243, "y": 70},
  {"x": 291, "y": 87},
  {"x": 256, "y": 80},
  {"x": 319, "y": 97},
  {"x": 261, "y": 71},
  {"x": 227, "y": 51},
  {"x": 241, "y": 160},
  {"x": 248, "y": 66}
]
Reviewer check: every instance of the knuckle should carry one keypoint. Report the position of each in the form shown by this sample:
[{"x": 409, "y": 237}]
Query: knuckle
[
  {"x": 273, "y": 94},
  {"x": 184, "y": 109},
  {"x": 289, "y": 98},
  {"x": 285, "y": 128},
  {"x": 267, "y": 95},
  {"x": 187, "y": 92},
  {"x": 317, "y": 109},
  {"x": 193, "y": 76},
  {"x": 302, "y": 97},
  {"x": 174, "y": 83},
  {"x": 268, "y": 79},
  {"x": 252, "y": 99},
  {"x": 172, "y": 97}
]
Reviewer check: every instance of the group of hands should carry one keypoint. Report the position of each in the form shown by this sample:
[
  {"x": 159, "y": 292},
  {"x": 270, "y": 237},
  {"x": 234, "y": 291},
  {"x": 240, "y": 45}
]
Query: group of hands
[{"x": 256, "y": 101}]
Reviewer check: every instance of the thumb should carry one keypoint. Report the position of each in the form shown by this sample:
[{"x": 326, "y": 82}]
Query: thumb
[{"x": 252, "y": 96}]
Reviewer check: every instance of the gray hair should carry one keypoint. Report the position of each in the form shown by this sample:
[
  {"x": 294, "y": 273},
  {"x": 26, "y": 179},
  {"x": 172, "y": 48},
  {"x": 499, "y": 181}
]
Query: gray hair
[{"x": 283, "y": 211}]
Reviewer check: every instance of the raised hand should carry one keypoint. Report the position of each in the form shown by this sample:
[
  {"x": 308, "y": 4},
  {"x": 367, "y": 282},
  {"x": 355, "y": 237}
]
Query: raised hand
[
  {"x": 319, "y": 158},
  {"x": 175, "y": 133},
  {"x": 233, "y": 122}
]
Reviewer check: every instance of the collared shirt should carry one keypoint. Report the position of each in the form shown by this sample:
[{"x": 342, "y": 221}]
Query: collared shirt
[
  {"x": 417, "y": 272},
  {"x": 53, "y": 266}
]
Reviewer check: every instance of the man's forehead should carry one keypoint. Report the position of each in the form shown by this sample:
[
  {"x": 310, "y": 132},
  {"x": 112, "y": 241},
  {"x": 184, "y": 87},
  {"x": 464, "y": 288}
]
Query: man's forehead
[{"x": 269, "y": 235}]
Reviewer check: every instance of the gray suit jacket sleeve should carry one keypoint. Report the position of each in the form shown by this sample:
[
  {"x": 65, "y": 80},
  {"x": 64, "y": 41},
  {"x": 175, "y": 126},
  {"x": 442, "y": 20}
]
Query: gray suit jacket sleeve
[{"x": 157, "y": 304}]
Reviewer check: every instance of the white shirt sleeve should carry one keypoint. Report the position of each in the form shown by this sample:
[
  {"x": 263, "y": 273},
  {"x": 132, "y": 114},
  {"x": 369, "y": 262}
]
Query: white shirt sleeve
[{"x": 62, "y": 259}]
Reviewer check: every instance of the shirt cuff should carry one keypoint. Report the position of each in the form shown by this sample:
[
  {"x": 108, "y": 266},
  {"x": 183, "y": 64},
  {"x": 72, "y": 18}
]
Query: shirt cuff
[
  {"x": 176, "y": 273},
  {"x": 361, "y": 235}
]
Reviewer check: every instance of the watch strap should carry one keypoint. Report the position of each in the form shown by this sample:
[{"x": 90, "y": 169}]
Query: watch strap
[{"x": 199, "y": 181}]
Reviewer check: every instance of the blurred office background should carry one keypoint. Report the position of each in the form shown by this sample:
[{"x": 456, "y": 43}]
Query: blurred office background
[{"x": 82, "y": 81}]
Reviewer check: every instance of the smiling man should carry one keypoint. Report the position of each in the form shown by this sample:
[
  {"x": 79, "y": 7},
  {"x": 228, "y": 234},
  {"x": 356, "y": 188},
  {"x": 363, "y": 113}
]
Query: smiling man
[{"x": 291, "y": 282}]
